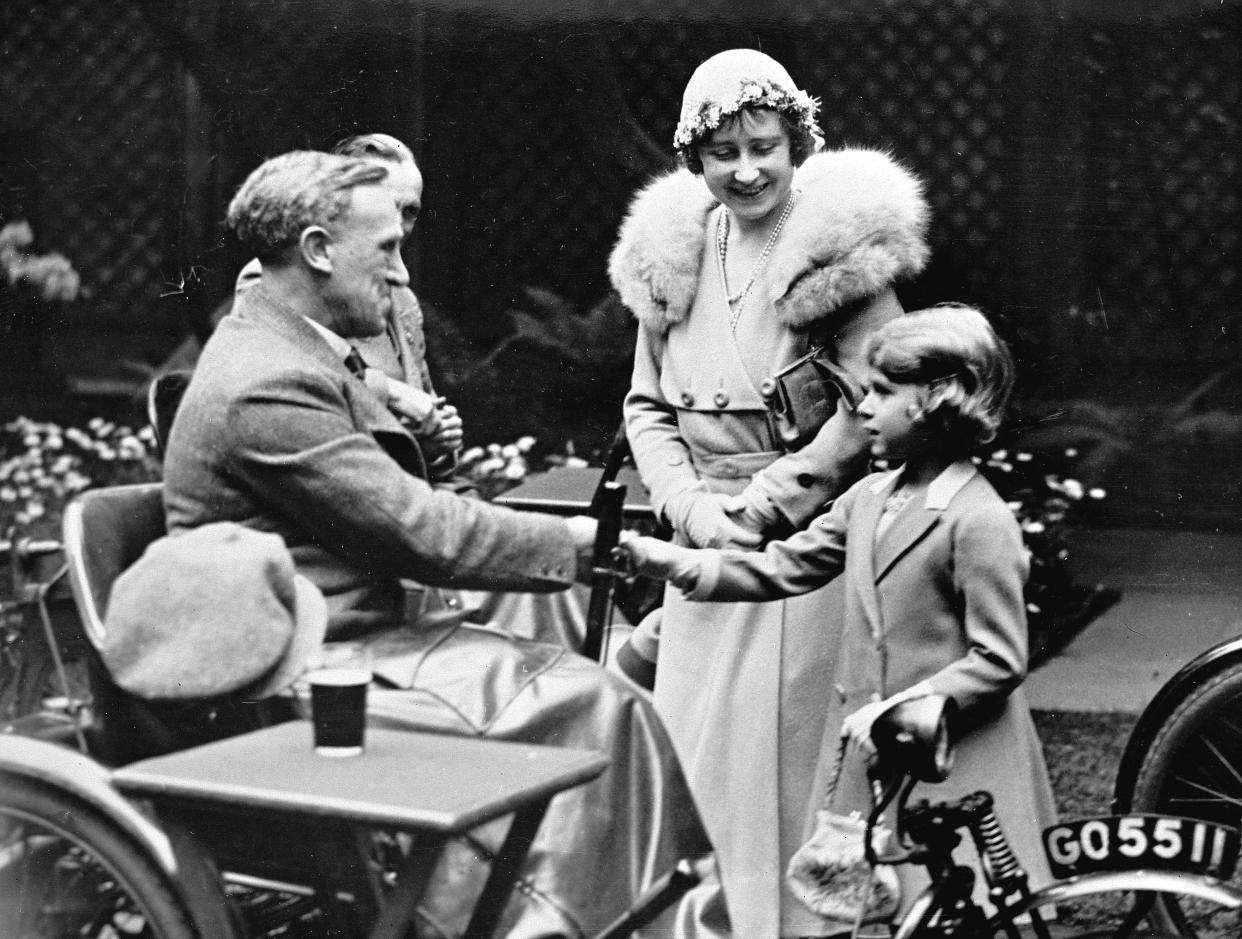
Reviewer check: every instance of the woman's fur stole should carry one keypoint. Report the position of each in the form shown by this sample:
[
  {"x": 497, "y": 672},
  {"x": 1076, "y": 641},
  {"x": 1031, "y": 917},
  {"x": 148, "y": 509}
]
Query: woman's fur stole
[{"x": 859, "y": 224}]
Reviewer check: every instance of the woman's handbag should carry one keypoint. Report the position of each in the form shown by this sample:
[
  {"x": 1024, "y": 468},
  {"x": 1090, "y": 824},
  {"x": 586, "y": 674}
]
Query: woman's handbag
[
  {"x": 804, "y": 394},
  {"x": 830, "y": 873}
]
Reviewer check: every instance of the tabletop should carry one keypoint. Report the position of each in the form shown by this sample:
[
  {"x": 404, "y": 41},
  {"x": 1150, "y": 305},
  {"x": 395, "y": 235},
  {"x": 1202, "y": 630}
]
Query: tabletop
[
  {"x": 404, "y": 778},
  {"x": 567, "y": 490}
]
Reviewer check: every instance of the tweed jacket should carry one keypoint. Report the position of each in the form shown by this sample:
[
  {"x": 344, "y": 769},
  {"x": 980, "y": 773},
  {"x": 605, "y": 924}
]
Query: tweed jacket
[
  {"x": 857, "y": 227},
  {"x": 275, "y": 433},
  {"x": 400, "y": 351}
]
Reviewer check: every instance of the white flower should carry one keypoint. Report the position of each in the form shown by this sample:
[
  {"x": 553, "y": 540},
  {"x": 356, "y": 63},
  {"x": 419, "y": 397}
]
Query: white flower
[
  {"x": 1034, "y": 528},
  {"x": 575, "y": 461},
  {"x": 509, "y": 451},
  {"x": 493, "y": 449},
  {"x": 1033, "y": 608},
  {"x": 515, "y": 469},
  {"x": 1096, "y": 493},
  {"x": 1023, "y": 457},
  {"x": 524, "y": 444},
  {"x": 1000, "y": 454},
  {"x": 7, "y": 494},
  {"x": 474, "y": 453},
  {"x": 1073, "y": 488},
  {"x": 490, "y": 465},
  {"x": 1071, "y": 452}
]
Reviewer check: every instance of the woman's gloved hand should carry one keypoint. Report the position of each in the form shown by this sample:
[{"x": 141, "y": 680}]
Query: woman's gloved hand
[
  {"x": 754, "y": 509},
  {"x": 703, "y": 518}
]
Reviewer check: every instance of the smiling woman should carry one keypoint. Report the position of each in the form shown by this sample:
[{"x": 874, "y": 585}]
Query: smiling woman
[{"x": 735, "y": 266}]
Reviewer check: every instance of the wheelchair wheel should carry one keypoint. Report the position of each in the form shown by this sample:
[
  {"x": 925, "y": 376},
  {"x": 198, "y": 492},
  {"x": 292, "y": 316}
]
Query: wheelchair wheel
[
  {"x": 1194, "y": 768},
  {"x": 66, "y": 871}
]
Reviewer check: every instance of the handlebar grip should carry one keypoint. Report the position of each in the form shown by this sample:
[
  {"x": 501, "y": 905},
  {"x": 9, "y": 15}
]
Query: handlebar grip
[{"x": 611, "y": 501}]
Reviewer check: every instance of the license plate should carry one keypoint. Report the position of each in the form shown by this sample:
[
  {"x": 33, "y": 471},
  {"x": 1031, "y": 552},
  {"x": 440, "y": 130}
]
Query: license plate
[{"x": 1127, "y": 842}]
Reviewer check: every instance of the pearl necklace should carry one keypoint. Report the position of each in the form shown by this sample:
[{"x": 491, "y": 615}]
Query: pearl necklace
[{"x": 738, "y": 300}]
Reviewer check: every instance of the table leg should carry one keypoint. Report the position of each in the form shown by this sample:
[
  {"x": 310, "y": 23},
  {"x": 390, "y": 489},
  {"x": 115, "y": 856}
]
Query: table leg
[
  {"x": 398, "y": 911},
  {"x": 500, "y": 880}
]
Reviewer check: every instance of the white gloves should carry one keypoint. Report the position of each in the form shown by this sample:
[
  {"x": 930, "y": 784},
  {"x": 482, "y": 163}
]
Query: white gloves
[{"x": 702, "y": 517}]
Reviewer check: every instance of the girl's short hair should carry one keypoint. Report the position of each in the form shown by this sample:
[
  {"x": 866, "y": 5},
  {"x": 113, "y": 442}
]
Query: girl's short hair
[{"x": 969, "y": 371}]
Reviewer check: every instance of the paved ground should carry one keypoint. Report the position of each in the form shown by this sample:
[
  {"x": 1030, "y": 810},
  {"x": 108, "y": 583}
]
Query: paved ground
[{"x": 1181, "y": 592}]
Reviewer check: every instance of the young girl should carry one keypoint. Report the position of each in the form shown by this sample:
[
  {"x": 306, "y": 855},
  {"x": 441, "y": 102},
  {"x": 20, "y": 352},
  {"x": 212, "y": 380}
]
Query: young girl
[{"x": 934, "y": 571}]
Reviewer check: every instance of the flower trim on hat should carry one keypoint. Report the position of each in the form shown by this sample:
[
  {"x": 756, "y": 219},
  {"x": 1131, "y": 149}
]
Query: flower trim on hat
[{"x": 754, "y": 92}]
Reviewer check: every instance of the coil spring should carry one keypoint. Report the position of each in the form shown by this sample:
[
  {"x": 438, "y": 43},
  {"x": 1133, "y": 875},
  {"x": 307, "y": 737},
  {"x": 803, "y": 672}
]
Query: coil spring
[{"x": 1002, "y": 866}]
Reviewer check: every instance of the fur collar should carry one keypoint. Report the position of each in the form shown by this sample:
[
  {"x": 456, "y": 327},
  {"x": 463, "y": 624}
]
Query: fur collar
[{"x": 858, "y": 226}]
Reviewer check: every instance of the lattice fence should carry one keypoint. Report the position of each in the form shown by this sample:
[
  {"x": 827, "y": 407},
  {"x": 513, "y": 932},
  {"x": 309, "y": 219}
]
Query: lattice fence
[
  {"x": 96, "y": 104},
  {"x": 1082, "y": 164}
]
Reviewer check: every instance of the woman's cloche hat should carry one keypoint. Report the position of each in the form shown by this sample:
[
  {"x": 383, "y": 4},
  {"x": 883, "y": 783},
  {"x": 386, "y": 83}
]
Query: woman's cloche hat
[
  {"x": 216, "y": 610},
  {"x": 735, "y": 79}
]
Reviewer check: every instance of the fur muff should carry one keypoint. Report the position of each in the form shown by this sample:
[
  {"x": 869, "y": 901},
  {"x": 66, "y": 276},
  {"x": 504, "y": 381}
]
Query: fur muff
[{"x": 859, "y": 225}]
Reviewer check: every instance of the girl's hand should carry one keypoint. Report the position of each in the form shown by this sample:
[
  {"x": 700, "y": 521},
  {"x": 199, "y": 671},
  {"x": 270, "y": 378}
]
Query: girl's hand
[
  {"x": 662, "y": 560},
  {"x": 857, "y": 726}
]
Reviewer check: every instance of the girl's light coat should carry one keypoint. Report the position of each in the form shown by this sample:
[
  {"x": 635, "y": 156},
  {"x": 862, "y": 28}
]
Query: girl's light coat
[{"x": 938, "y": 598}]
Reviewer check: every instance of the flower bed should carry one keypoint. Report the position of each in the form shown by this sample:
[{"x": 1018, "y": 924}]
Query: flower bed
[{"x": 44, "y": 464}]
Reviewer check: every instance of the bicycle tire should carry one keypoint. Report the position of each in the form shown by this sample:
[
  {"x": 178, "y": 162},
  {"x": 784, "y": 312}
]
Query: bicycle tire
[
  {"x": 1112, "y": 934},
  {"x": 1194, "y": 768},
  {"x": 66, "y": 870}
]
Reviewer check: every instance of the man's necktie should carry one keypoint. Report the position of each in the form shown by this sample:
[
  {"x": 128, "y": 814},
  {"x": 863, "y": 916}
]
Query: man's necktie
[{"x": 356, "y": 364}]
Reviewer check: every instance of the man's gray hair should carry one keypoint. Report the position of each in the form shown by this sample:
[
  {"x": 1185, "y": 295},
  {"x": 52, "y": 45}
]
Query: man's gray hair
[
  {"x": 375, "y": 147},
  {"x": 292, "y": 192}
]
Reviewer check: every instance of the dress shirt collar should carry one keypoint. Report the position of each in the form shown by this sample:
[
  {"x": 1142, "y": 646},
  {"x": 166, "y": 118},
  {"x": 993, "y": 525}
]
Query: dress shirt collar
[{"x": 338, "y": 345}]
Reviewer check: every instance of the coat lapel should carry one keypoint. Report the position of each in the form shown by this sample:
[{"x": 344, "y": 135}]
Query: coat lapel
[
  {"x": 908, "y": 529},
  {"x": 915, "y": 521},
  {"x": 862, "y": 562},
  {"x": 368, "y": 412}
]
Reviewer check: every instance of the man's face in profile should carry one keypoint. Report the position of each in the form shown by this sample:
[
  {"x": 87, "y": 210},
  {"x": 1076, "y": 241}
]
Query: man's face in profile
[
  {"x": 405, "y": 183},
  {"x": 365, "y": 250}
]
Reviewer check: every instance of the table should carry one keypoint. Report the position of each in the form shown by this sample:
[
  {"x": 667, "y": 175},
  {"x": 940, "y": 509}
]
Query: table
[
  {"x": 568, "y": 490},
  {"x": 432, "y": 786}
]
